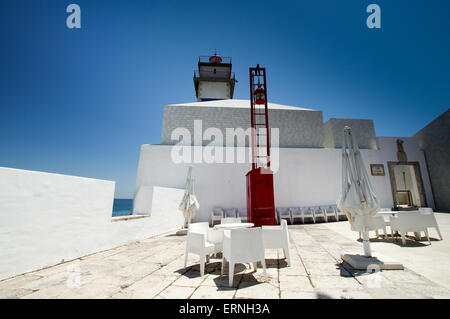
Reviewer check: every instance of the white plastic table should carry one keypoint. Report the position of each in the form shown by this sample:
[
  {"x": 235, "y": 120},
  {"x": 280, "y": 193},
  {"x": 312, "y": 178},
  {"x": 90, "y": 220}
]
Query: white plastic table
[
  {"x": 387, "y": 218},
  {"x": 387, "y": 213},
  {"x": 233, "y": 226}
]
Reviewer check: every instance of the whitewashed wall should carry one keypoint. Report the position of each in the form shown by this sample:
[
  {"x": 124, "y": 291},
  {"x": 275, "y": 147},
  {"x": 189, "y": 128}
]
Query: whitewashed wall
[
  {"x": 298, "y": 127},
  {"x": 364, "y": 130},
  {"x": 46, "y": 218},
  {"x": 305, "y": 176},
  {"x": 214, "y": 90}
]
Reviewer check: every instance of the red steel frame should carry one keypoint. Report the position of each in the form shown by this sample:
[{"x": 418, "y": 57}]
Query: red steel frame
[
  {"x": 260, "y": 195},
  {"x": 256, "y": 113}
]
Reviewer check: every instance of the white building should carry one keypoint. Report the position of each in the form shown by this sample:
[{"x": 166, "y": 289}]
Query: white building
[{"x": 308, "y": 159}]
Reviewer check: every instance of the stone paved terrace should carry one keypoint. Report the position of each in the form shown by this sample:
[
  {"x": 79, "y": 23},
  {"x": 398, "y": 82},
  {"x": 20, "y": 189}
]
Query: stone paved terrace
[{"x": 153, "y": 268}]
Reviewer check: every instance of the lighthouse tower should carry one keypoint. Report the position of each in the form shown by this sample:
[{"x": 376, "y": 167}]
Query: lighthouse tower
[{"x": 214, "y": 80}]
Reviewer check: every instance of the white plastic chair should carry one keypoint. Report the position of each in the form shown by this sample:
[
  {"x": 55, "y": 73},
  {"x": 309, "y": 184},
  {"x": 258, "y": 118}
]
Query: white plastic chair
[
  {"x": 242, "y": 214},
  {"x": 296, "y": 213},
  {"x": 197, "y": 243},
  {"x": 277, "y": 237},
  {"x": 336, "y": 213},
  {"x": 230, "y": 213},
  {"x": 379, "y": 223},
  {"x": 411, "y": 221},
  {"x": 387, "y": 221},
  {"x": 243, "y": 246},
  {"x": 216, "y": 215},
  {"x": 340, "y": 213},
  {"x": 375, "y": 223},
  {"x": 283, "y": 213},
  {"x": 318, "y": 212},
  {"x": 230, "y": 220},
  {"x": 330, "y": 212},
  {"x": 308, "y": 213},
  {"x": 431, "y": 219}
]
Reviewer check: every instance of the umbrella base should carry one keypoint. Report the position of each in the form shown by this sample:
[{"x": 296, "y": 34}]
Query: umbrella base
[
  {"x": 361, "y": 262},
  {"x": 182, "y": 232}
]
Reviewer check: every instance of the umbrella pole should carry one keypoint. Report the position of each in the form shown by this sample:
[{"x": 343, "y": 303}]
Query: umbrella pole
[
  {"x": 366, "y": 244},
  {"x": 188, "y": 218}
]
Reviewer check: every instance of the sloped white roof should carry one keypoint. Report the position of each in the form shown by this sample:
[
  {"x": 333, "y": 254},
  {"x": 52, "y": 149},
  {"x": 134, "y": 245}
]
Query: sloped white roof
[{"x": 234, "y": 103}]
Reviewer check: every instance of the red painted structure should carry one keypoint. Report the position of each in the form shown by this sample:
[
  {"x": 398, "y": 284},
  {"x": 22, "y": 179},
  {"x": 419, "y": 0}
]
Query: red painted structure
[{"x": 260, "y": 197}]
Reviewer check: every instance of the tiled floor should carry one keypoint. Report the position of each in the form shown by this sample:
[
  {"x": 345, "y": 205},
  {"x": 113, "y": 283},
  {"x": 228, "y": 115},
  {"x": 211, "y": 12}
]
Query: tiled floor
[{"x": 153, "y": 268}]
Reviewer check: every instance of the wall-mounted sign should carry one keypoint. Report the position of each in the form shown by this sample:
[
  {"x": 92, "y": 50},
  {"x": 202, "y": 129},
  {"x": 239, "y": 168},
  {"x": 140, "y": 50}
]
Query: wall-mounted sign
[{"x": 377, "y": 169}]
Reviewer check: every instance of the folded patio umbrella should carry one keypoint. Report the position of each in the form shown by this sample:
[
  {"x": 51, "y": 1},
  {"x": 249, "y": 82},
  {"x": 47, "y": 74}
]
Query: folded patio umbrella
[
  {"x": 189, "y": 204},
  {"x": 357, "y": 199}
]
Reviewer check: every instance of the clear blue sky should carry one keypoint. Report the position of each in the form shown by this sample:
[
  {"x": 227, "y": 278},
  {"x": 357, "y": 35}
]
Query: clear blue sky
[{"x": 81, "y": 102}]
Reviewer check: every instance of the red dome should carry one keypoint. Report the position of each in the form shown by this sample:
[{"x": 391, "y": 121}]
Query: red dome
[{"x": 215, "y": 59}]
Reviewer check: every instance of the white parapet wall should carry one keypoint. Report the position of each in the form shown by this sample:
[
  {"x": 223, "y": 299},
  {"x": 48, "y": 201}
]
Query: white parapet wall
[
  {"x": 49, "y": 218},
  {"x": 305, "y": 176},
  {"x": 163, "y": 216}
]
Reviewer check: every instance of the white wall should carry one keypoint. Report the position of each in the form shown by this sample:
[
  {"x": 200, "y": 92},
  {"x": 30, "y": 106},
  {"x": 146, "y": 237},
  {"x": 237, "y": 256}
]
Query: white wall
[
  {"x": 46, "y": 218},
  {"x": 305, "y": 176},
  {"x": 214, "y": 90},
  {"x": 363, "y": 129},
  {"x": 164, "y": 217},
  {"x": 298, "y": 127}
]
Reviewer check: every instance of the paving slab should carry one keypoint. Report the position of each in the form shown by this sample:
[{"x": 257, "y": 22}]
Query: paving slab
[
  {"x": 342, "y": 294},
  {"x": 257, "y": 290},
  {"x": 333, "y": 282},
  {"x": 431, "y": 261},
  {"x": 296, "y": 294},
  {"x": 154, "y": 268},
  {"x": 190, "y": 278},
  {"x": 325, "y": 268},
  {"x": 147, "y": 287},
  {"x": 213, "y": 292},
  {"x": 216, "y": 280},
  {"x": 176, "y": 292},
  {"x": 295, "y": 283}
]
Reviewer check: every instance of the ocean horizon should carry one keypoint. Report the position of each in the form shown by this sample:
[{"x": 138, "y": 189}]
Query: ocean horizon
[{"x": 122, "y": 207}]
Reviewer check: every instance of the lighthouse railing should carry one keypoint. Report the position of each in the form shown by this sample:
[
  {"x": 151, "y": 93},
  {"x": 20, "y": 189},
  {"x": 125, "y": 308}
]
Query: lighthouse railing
[{"x": 205, "y": 59}]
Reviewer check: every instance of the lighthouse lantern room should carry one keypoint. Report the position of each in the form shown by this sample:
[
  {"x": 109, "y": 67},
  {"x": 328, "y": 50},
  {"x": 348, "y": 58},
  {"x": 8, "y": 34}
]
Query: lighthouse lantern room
[{"x": 214, "y": 79}]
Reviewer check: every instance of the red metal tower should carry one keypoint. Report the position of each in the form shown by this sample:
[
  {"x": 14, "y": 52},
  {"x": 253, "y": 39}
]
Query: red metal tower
[{"x": 260, "y": 197}]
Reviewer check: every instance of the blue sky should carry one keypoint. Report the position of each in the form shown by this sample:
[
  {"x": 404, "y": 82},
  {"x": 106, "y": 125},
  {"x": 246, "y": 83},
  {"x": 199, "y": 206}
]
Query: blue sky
[{"x": 81, "y": 102}]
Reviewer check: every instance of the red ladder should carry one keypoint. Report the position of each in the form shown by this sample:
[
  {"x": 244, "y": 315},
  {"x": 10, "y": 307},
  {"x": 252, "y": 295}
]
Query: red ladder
[{"x": 259, "y": 114}]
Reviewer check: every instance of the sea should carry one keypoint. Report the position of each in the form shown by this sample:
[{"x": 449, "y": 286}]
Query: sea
[{"x": 122, "y": 207}]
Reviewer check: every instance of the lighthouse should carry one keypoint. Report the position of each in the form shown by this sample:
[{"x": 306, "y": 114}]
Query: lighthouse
[{"x": 214, "y": 79}]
